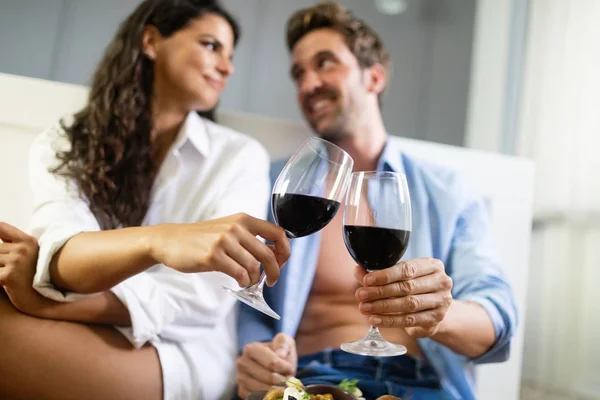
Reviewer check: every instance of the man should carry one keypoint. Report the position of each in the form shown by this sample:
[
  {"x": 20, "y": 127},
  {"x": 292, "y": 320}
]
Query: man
[{"x": 448, "y": 303}]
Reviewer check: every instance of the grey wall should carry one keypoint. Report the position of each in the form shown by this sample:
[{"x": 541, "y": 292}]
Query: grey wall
[{"x": 430, "y": 46}]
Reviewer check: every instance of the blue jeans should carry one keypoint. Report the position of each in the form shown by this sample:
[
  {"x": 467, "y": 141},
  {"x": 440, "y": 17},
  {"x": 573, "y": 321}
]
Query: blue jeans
[{"x": 402, "y": 376}]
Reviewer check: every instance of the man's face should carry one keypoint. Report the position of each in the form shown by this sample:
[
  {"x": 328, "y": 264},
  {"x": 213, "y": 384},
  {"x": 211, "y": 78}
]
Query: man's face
[{"x": 329, "y": 82}]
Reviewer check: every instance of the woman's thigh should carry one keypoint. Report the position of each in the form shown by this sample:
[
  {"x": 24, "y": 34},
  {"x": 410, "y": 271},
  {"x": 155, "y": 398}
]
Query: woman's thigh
[{"x": 46, "y": 359}]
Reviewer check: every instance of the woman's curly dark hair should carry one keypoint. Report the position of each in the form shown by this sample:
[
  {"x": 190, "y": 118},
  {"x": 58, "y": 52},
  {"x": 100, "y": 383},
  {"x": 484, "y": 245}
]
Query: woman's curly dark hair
[{"x": 110, "y": 157}]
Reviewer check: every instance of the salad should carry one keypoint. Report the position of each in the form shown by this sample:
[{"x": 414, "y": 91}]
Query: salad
[{"x": 295, "y": 390}]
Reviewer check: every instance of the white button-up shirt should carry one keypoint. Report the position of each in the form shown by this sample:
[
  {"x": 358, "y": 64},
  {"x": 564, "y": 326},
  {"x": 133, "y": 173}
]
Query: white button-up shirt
[{"x": 209, "y": 172}]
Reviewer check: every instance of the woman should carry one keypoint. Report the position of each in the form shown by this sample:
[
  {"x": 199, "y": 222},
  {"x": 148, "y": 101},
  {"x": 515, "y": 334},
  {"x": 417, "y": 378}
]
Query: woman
[{"x": 135, "y": 182}]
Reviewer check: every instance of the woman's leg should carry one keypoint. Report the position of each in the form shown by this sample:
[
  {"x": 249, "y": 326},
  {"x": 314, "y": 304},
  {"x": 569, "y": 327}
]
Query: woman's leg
[{"x": 45, "y": 359}]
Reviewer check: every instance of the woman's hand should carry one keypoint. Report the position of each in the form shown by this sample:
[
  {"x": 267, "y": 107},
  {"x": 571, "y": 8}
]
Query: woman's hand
[
  {"x": 228, "y": 245},
  {"x": 18, "y": 258}
]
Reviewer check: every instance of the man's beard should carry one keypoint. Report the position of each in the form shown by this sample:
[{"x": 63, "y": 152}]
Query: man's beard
[{"x": 333, "y": 131}]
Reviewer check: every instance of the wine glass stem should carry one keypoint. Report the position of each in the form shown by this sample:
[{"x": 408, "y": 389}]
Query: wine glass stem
[
  {"x": 259, "y": 285},
  {"x": 374, "y": 334}
]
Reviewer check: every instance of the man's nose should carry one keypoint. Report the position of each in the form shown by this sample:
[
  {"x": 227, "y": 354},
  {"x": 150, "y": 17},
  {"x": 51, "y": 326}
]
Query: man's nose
[{"x": 310, "y": 82}]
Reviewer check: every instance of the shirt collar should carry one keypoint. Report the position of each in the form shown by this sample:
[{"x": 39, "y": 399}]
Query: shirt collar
[
  {"x": 391, "y": 158},
  {"x": 195, "y": 131}
]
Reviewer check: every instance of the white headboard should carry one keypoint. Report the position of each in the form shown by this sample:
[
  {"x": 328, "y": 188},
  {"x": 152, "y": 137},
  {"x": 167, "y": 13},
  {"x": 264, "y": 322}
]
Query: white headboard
[{"x": 28, "y": 106}]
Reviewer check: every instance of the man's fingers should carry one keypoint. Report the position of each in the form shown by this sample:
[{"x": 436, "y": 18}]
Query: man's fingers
[
  {"x": 255, "y": 375},
  {"x": 247, "y": 386},
  {"x": 263, "y": 355},
  {"x": 425, "y": 284},
  {"x": 243, "y": 393},
  {"x": 406, "y": 270},
  {"x": 9, "y": 233},
  {"x": 406, "y": 304},
  {"x": 282, "y": 345},
  {"x": 359, "y": 274}
]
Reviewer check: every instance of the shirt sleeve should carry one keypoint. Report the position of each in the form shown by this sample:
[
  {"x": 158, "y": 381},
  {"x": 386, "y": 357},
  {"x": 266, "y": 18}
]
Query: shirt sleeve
[
  {"x": 58, "y": 211},
  {"x": 479, "y": 278},
  {"x": 180, "y": 307}
]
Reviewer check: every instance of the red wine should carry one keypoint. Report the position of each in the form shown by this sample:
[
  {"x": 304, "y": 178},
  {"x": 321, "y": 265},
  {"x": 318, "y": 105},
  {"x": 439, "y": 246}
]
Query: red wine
[
  {"x": 301, "y": 215},
  {"x": 375, "y": 248}
]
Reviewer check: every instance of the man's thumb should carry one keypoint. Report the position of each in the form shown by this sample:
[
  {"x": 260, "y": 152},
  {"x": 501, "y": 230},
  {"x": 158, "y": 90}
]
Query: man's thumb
[{"x": 282, "y": 344}]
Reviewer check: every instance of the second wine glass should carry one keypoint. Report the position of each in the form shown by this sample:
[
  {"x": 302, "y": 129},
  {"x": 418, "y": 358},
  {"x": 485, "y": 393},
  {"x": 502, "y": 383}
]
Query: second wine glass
[
  {"x": 377, "y": 226},
  {"x": 306, "y": 196}
]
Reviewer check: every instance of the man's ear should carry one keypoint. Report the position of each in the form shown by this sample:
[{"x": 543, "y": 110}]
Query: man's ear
[
  {"x": 151, "y": 38},
  {"x": 376, "y": 78}
]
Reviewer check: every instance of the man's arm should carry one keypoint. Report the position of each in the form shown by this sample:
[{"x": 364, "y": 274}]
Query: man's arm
[
  {"x": 466, "y": 329},
  {"x": 480, "y": 282},
  {"x": 473, "y": 312},
  {"x": 416, "y": 295}
]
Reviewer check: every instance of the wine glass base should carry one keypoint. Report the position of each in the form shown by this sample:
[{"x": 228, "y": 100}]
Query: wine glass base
[
  {"x": 374, "y": 348},
  {"x": 253, "y": 300}
]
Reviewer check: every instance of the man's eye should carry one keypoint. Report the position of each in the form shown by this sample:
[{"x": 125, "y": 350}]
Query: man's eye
[
  {"x": 296, "y": 76},
  {"x": 210, "y": 45},
  {"x": 326, "y": 64}
]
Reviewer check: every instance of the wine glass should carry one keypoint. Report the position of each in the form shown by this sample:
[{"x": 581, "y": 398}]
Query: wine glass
[
  {"x": 306, "y": 197},
  {"x": 377, "y": 225}
]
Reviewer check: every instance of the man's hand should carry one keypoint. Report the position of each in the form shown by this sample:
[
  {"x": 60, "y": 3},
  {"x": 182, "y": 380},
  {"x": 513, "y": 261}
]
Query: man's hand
[
  {"x": 18, "y": 258},
  {"x": 414, "y": 295},
  {"x": 263, "y": 365}
]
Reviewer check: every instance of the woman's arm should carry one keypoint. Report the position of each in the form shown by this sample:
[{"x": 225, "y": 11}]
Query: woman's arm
[
  {"x": 92, "y": 262},
  {"x": 18, "y": 257},
  {"x": 75, "y": 256},
  {"x": 103, "y": 309},
  {"x": 162, "y": 303},
  {"x": 181, "y": 307}
]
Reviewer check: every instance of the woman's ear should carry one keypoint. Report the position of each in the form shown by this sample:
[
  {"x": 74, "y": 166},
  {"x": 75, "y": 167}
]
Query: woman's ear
[{"x": 151, "y": 38}]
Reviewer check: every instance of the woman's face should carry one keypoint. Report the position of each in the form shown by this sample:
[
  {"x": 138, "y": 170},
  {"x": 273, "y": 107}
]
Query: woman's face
[{"x": 191, "y": 67}]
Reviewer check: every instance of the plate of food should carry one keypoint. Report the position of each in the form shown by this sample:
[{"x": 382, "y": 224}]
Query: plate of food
[{"x": 295, "y": 390}]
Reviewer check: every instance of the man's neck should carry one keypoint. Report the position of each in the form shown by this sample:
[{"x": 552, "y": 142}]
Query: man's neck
[{"x": 365, "y": 143}]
